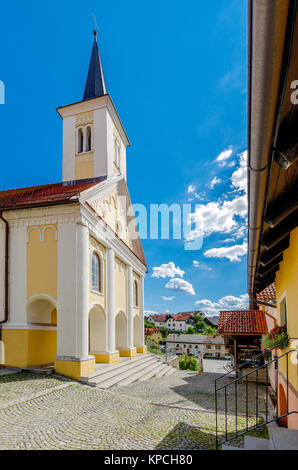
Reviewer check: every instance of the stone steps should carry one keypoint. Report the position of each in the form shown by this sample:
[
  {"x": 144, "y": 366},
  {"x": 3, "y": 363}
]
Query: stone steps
[
  {"x": 141, "y": 368},
  {"x": 105, "y": 368},
  {"x": 280, "y": 439},
  {"x": 256, "y": 443},
  {"x": 283, "y": 438},
  {"x": 118, "y": 371},
  {"x": 43, "y": 369},
  {"x": 170, "y": 371},
  {"x": 149, "y": 371},
  {"x": 162, "y": 371}
]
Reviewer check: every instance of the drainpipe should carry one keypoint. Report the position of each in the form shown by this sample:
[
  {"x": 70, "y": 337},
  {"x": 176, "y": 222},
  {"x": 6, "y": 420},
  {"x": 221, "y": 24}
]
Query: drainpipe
[{"x": 6, "y": 271}]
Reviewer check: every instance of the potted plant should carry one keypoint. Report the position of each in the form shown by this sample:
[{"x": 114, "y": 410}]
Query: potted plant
[{"x": 277, "y": 335}]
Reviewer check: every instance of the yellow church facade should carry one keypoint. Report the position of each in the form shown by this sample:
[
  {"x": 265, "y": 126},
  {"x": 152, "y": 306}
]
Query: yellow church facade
[{"x": 72, "y": 267}]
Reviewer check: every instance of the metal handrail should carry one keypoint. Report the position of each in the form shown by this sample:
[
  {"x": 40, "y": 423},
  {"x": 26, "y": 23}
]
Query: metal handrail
[
  {"x": 252, "y": 360},
  {"x": 253, "y": 371},
  {"x": 244, "y": 378},
  {"x": 261, "y": 425}
]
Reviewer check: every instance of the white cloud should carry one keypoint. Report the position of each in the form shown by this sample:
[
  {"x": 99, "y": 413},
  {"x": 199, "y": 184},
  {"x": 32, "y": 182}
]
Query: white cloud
[
  {"x": 167, "y": 270},
  {"x": 229, "y": 302},
  {"x": 167, "y": 311},
  {"x": 217, "y": 217},
  {"x": 223, "y": 156},
  {"x": 180, "y": 285},
  {"x": 214, "y": 182},
  {"x": 191, "y": 189},
  {"x": 192, "y": 192},
  {"x": 150, "y": 312},
  {"x": 225, "y": 214},
  {"x": 233, "y": 253},
  {"x": 198, "y": 264},
  {"x": 227, "y": 240},
  {"x": 168, "y": 298},
  {"x": 239, "y": 177}
]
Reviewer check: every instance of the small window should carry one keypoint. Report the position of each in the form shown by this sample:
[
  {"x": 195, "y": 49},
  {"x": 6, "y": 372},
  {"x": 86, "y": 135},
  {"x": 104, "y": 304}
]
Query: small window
[
  {"x": 283, "y": 312},
  {"x": 96, "y": 273},
  {"x": 88, "y": 139},
  {"x": 80, "y": 141},
  {"x": 117, "y": 154},
  {"x": 136, "y": 294}
]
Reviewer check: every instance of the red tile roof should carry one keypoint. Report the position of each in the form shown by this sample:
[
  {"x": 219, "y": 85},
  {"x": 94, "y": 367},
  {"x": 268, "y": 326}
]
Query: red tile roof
[
  {"x": 248, "y": 322},
  {"x": 45, "y": 194},
  {"x": 268, "y": 294},
  {"x": 193, "y": 312},
  {"x": 160, "y": 318},
  {"x": 181, "y": 316},
  {"x": 55, "y": 193},
  {"x": 150, "y": 331}
]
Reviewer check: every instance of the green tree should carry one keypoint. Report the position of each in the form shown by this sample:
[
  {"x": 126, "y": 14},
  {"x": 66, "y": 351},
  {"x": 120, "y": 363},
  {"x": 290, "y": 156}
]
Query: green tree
[
  {"x": 209, "y": 330},
  {"x": 199, "y": 323},
  {"x": 190, "y": 330},
  {"x": 188, "y": 362},
  {"x": 164, "y": 331},
  {"x": 147, "y": 324}
]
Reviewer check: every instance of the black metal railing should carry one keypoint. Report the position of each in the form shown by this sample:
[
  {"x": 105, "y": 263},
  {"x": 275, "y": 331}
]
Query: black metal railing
[
  {"x": 253, "y": 360},
  {"x": 258, "y": 377}
]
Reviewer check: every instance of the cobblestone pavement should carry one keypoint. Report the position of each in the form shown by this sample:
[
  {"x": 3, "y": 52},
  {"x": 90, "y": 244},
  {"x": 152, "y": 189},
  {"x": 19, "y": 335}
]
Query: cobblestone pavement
[{"x": 47, "y": 416}]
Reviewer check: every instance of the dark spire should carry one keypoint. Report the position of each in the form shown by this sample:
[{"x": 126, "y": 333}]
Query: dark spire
[{"x": 95, "y": 83}]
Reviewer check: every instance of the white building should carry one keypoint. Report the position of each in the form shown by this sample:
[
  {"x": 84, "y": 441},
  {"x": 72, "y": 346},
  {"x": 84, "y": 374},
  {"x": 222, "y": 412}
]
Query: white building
[
  {"x": 211, "y": 346},
  {"x": 71, "y": 262}
]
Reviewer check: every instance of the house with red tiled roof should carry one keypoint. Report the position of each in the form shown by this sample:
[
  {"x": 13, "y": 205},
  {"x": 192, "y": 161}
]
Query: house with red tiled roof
[
  {"x": 242, "y": 331},
  {"x": 72, "y": 266},
  {"x": 180, "y": 321},
  {"x": 159, "y": 320}
]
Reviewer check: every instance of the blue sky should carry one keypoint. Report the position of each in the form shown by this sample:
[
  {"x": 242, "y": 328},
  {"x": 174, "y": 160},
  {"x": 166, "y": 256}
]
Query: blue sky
[{"x": 177, "y": 74}]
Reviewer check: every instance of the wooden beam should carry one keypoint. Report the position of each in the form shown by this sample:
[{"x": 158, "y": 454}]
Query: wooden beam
[
  {"x": 261, "y": 284},
  {"x": 263, "y": 271},
  {"x": 270, "y": 255},
  {"x": 280, "y": 231},
  {"x": 283, "y": 209},
  {"x": 271, "y": 271}
]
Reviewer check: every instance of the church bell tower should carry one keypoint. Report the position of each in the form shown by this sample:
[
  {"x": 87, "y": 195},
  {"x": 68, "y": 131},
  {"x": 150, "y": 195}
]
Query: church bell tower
[{"x": 94, "y": 139}]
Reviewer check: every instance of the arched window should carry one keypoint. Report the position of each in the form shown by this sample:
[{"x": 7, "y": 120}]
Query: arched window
[
  {"x": 135, "y": 294},
  {"x": 88, "y": 139},
  {"x": 80, "y": 141},
  {"x": 96, "y": 273}
]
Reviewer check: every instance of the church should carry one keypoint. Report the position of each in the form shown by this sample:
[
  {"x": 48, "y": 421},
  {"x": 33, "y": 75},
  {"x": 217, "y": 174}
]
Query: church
[{"x": 72, "y": 267}]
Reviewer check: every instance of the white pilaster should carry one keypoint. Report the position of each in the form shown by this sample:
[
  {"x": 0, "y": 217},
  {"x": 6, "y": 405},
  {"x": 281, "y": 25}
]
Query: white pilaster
[
  {"x": 17, "y": 274},
  {"x": 82, "y": 290},
  {"x": 73, "y": 275},
  {"x": 130, "y": 306},
  {"x": 110, "y": 293},
  {"x": 142, "y": 310}
]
